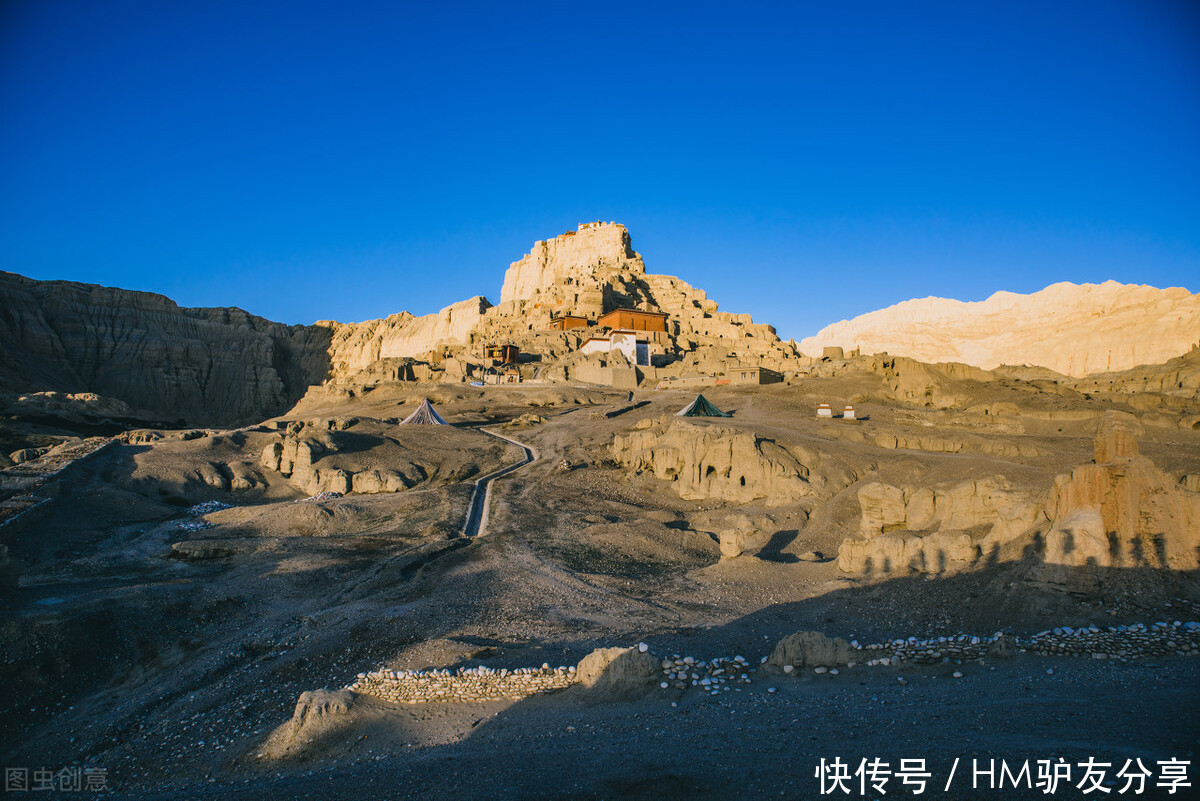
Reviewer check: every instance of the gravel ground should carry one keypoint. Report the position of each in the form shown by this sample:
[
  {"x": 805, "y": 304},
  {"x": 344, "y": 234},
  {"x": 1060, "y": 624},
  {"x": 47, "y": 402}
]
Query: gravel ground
[
  {"x": 172, "y": 674},
  {"x": 758, "y": 744}
]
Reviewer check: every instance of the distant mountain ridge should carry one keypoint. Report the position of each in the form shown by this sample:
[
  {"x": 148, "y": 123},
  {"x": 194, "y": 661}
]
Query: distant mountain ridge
[{"x": 1074, "y": 329}]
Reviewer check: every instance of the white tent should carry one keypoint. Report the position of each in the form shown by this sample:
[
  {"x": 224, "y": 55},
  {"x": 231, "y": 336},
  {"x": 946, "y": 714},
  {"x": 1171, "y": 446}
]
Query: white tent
[{"x": 424, "y": 415}]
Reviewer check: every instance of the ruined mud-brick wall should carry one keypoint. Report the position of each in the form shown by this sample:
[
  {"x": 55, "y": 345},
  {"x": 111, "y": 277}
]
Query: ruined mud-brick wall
[
  {"x": 464, "y": 684},
  {"x": 723, "y": 674}
]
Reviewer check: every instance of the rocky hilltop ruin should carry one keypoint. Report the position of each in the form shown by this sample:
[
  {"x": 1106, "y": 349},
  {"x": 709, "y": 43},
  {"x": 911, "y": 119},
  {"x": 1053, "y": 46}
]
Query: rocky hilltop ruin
[
  {"x": 228, "y": 366},
  {"x": 553, "y": 301},
  {"x": 580, "y": 307},
  {"x": 1073, "y": 329}
]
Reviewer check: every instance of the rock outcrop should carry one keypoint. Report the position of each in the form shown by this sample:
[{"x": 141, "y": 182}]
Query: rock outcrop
[
  {"x": 298, "y": 459},
  {"x": 355, "y": 346},
  {"x": 811, "y": 649},
  {"x": 1117, "y": 511},
  {"x": 927, "y": 529},
  {"x": 716, "y": 462},
  {"x": 317, "y": 713},
  {"x": 988, "y": 501},
  {"x": 107, "y": 351},
  {"x": 1074, "y": 329},
  {"x": 1120, "y": 511},
  {"x": 593, "y": 250},
  {"x": 617, "y": 671},
  {"x": 940, "y": 552},
  {"x": 345, "y": 455},
  {"x": 225, "y": 366},
  {"x": 200, "y": 365}
]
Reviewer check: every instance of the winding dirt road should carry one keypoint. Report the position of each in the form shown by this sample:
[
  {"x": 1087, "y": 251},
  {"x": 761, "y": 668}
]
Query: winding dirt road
[{"x": 477, "y": 513}]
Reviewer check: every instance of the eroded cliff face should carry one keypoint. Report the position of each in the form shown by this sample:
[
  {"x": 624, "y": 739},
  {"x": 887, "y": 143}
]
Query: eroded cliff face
[
  {"x": 225, "y": 366},
  {"x": 355, "y": 346},
  {"x": 199, "y": 365},
  {"x": 595, "y": 249},
  {"x": 1074, "y": 329},
  {"x": 936, "y": 529},
  {"x": 1117, "y": 511},
  {"x": 1120, "y": 511},
  {"x": 716, "y": 462}
]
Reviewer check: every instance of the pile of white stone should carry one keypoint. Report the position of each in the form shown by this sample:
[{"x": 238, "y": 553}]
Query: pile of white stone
[
  {"x": 205, "y": 508},
  {"x": 464, "y": 684},
  {"x": 936, "y": 649},
  {"x": 722, "y": 674},
  {"x": 319, "y": 497},
  {"x": 713, "y": 676},
  {"x": 1118, "y": 642},
  {"x": 1114, "y": 642}
]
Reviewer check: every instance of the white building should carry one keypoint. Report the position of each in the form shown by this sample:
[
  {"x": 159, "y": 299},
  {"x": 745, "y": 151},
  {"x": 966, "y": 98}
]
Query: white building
[{"x": 637, "y": 351}]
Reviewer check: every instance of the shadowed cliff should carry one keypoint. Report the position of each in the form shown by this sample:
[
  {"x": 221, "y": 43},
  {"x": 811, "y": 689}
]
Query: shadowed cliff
[{"x": 200, "y": 366}]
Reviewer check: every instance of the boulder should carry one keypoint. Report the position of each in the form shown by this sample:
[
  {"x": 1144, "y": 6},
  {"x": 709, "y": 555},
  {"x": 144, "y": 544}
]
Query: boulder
[
  {"x": 617, "y": 670},
  {"x": 201, "y": 550},
  {"x": 883, "y": 508},
  {"x": 811, "y": 649},
  {"x": 271, "y": 456},
  {"x": 213, "y": 475},
  {"x": 733, "y": 542},
  {"x": 243, "y": 478},
  {"x": 26, "y": 455},
  {"x": 317, "y": 712},
  {"x": 141, "y": 436}
]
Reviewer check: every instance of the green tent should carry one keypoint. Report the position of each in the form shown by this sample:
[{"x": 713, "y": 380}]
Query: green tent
[{"x": 700, "y": 407}]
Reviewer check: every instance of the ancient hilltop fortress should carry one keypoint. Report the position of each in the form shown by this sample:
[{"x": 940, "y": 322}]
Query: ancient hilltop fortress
[{"x": 560, "y": 306}]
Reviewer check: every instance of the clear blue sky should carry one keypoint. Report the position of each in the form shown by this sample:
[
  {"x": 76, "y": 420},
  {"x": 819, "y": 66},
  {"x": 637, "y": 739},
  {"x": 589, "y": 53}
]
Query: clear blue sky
[{"x": 804, "y": 162}]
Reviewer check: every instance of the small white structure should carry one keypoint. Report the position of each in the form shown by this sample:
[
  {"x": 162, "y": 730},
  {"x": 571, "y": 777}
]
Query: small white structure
[
  {"x": 635, "y": 350},
  {"x": 595, "y": 345},
  {"x": 824, "y": 410},
  {"x": 849, "y": 413}
]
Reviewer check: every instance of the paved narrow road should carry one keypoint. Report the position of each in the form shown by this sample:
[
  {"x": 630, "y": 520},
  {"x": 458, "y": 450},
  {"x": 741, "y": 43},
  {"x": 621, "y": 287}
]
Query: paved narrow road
[{"x": 477, "y": 513}]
